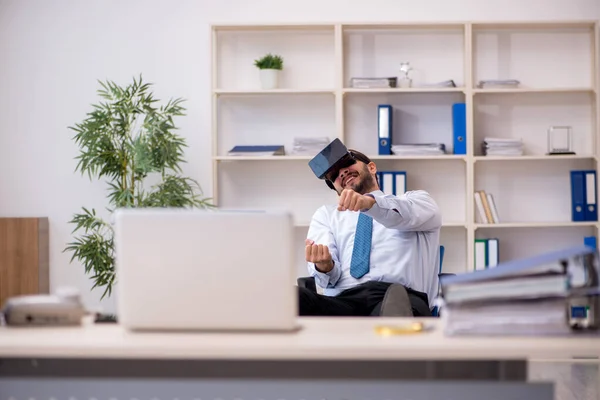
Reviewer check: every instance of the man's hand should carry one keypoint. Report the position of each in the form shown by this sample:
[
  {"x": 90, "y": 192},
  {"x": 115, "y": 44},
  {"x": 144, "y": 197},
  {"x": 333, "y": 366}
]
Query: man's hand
[
  {"x": 354, "y": 201},
  {"x": 319, "y": 255}
]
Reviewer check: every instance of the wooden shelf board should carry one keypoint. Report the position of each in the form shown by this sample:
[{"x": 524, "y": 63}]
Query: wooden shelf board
[
  {"x": 273, "y": 27},
  {"x": 535, "y": 90},
  {"x": 373, "y": 157},
  {"x": 534, "y": 158},
  {"x": 486, "y": 26},
  {"x": 454, "y": 224},
  {"x": 306, "y": 224},
  {"x": 445, "y": 157},
  {"x": 263, "y": 158},
  {"x": 272, "y": 91},
  {"x": 406, "y": 90},
  {"x": 404, "y": 26},
  {"x": 538, "y": 225},
  {"x": 477, "y": 26}
]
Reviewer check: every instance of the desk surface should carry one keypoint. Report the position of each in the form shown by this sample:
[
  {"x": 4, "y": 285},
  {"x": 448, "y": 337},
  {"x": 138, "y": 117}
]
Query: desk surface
[{"x": 318, "y": 339}]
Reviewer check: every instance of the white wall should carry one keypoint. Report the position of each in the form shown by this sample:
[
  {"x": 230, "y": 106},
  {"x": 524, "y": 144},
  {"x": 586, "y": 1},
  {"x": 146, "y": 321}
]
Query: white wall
[{"x": 52, "y": 53}]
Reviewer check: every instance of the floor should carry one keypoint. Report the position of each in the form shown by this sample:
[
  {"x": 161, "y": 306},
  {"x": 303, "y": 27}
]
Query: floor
[{"x": 572, "y": 381}]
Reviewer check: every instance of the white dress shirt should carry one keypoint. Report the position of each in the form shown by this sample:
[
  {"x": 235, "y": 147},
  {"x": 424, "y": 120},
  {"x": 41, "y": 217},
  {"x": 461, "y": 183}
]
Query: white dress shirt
[{"x": 404, "y": 246}]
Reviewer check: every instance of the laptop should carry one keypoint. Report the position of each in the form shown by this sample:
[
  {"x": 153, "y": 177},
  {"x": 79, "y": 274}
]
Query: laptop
[{"x": 182, "y": 269}]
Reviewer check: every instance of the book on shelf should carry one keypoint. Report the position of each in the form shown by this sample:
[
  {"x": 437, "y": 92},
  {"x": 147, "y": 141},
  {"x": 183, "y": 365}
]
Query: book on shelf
[
  {"x": 257, "y": 151},
  {"x": 486, "y": 208},
  {"x": 527, "y": 296}
]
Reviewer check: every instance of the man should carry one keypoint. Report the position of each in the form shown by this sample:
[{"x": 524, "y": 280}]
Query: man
[{"x": 404, "y": 247}]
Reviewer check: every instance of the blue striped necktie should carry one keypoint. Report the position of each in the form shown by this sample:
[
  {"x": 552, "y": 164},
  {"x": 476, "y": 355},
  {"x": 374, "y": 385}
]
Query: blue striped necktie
[{"x": 361, "y": 253}]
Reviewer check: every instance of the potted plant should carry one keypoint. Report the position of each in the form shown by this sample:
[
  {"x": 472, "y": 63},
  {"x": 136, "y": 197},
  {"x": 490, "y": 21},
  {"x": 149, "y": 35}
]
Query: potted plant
[
  {"x": 270, "y": 67},
  {"x": 127, "y": 139}
]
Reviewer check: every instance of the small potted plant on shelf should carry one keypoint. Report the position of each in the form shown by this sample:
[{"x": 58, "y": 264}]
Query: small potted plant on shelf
[{"x": 270, "y": 66}]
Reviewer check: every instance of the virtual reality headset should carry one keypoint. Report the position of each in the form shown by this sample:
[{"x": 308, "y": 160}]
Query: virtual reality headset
[{"x": 331, "y": 159}]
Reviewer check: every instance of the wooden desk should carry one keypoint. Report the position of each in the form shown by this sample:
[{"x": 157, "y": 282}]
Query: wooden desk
[
  {"x": 329, "y": 358},
  {"x": 318, "y": 339}
]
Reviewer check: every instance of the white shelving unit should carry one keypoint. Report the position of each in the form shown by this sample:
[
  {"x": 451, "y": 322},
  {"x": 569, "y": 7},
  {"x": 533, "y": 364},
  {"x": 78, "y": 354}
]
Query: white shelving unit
[{"x": 556, "y": 62}]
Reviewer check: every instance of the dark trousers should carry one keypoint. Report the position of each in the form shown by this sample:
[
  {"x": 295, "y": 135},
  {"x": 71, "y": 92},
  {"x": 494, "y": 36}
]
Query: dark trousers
[{"x": 362, "y": 300}]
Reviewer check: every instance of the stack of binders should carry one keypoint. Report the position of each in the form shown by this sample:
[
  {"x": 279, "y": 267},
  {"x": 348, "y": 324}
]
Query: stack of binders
[
  {"x": 521, "y": 297},
  {"x": 392, "y": 182}
]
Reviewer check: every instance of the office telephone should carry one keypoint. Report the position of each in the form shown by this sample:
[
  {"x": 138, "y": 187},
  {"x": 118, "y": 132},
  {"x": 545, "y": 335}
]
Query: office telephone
[{"x": 60, "y": 309}]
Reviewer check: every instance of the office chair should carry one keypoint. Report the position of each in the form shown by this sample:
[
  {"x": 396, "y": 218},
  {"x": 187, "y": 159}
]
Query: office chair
[{"x": 395, "y": 303}]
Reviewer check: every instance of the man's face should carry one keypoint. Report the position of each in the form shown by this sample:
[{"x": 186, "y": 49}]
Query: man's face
[{"x": 357, "y": 177}]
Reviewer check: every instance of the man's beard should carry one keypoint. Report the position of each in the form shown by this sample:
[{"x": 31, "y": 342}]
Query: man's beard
[{"x": 365, "y": 181}]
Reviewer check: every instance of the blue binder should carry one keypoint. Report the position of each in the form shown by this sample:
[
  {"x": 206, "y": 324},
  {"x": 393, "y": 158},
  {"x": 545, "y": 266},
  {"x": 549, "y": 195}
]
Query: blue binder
[
  {"x": 459, "y": 127},
  {"x": 392, "y": 182},
  {"x": 591, "y": 196},
  {"x": 578, "y": 196},
  {"x": 590, "y": 241},
  {"x": 384, "y": 129}
]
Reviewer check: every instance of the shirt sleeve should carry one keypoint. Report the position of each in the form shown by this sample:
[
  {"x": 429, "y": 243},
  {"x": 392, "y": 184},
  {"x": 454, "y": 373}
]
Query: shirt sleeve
[
  {"x": 413, "y": 211},
  {"x": 320, "y": 232}
]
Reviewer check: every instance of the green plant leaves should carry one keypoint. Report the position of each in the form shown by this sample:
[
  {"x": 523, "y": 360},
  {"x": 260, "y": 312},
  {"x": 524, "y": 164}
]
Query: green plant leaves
[
  {"x": 125, "y": 139},
  {"x": 176, "y": 191},
  {"x": 94, "y": 249},
  {"x": 269, "y": 61}
]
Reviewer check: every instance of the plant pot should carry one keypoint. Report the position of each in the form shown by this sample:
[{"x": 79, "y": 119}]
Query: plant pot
[
  {"x": 405, "y": 82},
  {"x": 269, "y": 78}
]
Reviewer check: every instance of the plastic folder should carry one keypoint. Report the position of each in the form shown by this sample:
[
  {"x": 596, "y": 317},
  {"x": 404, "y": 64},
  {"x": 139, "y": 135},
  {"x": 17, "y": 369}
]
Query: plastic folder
[
  {"x": 544, "y": 263},
  {"x": 459, "y": 127},
  {"x": 591, "y": 194},
  {"x": 384, "y": 128},
  {"x": 577, "y": 196}
]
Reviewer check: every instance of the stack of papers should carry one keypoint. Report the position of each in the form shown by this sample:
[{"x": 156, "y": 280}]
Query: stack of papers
[
  {"x": 498, "y": 83},
  {"x": 502, "y": 147},
  {"x": 309, "y": 145},
  {"x": 376, "y": 82},
  {"x": 522, "y": 297},
  {"x": 448, "y": 83},
  {"x": 419, "y": 149},
  {"x": 257, "y": 151}
]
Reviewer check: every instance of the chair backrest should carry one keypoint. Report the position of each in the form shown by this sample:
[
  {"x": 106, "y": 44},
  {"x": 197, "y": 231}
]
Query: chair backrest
[{"x": 435, "y": 311}]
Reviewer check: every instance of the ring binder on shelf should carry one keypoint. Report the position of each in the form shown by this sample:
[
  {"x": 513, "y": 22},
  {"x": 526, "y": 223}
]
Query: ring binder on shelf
[
  {"x": 584, "y": 195},
  {"x": 459, "y": 127},
  {"x": 591, "y": 207},
  {"x": 384, "y": 128},
  {"x": 392, "y": 182}
]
